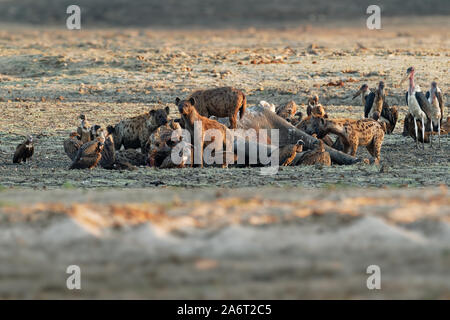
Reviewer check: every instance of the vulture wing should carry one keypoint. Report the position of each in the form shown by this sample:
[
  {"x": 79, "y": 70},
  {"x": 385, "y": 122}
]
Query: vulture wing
[
  {"x": 87, "y": 156},
  {"x": 18, "y": 155},
  {"x": 71, "y": 147},
  {"x": 108, "y": 154},
  {"x": 391, "y": 115}
]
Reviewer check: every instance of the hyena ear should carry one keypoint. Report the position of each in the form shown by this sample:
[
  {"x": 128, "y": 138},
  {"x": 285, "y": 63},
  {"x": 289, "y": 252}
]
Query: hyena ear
[
  {"x": 152, "y": 112},
  {"x": 192, "y": 101},
  {"x": 177, "y": 100},
  {"x": 167, "y": 109}
]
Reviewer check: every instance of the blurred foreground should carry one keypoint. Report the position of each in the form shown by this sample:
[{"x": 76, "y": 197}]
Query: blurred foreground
[{"x": 278, "y": 244}]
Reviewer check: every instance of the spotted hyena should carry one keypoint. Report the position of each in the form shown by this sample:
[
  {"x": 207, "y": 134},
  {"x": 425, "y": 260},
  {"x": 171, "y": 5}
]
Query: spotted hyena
[
  {"x": 159, "y": 144},
  {"x": 190, "y": 115},
  {"x": 353, "y": 133},
  {"x": 134, "y": 132},
  {"x": 219, "y": 102}
]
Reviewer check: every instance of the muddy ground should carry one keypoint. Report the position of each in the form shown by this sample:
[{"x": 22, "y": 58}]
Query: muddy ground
[{"x": 307, "y": 232}]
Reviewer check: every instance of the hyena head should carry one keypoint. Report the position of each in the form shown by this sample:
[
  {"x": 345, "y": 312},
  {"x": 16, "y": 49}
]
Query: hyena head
[
  {"x": 319, "y": 126},
  {"x": 158, "y": 117},
  {"x": 185, "y": 107},
  {"x": 307, "y": 125}
]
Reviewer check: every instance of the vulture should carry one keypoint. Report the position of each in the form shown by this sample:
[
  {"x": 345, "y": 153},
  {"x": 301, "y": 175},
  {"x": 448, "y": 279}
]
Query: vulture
[
  {"x": 434, "y": 97},
  {"x": 317, "y": 110},
  {"x": 111, "y": 160},
  {"x": 95, "y": 131},
  {"x": 108, "y": 158},
  {"x": 376, "y": 107},
  {"x": 267, "y": 105},
  {"x": 418, "y": 105},
  {"x": 288, "y": 152},
  {"x": 312, "y": 102},
  {"x": 84, "y": 131},
  {"x": 389, "y": 116},
  {"x": 89, "y": 154},
  {"x": 72, "y": 145},
  {"x": 317, "y": 155},
  {"x": 24, "y": 151},
  {"x": 287, "y": 111},
  {"x": 408, "y": 129}
]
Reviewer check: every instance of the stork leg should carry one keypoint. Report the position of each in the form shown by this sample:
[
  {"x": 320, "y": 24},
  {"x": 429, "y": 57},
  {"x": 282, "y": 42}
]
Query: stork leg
[
  {"x": 439, "y": 132},
  {"x": 417, "y": 135},
  {"x": 423, "y": 134},
  {"x": 431, "y": 133}
]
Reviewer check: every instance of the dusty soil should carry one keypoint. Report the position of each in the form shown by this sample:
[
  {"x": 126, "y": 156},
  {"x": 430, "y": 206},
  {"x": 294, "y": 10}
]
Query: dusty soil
[{"x": 307, "y": 232}]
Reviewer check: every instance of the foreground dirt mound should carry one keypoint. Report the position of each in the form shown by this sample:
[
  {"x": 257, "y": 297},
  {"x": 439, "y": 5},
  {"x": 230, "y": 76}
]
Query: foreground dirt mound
[{"x": 222, "y": 244}]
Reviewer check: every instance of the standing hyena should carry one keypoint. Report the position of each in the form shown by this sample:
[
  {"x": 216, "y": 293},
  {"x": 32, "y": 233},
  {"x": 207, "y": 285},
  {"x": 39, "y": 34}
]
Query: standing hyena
[
  {"x": 134, "y": 132},
  {"x": 353, "y": 133},
  {"x": 220, "y": 102},
  {"x": 190, "y": 115}
]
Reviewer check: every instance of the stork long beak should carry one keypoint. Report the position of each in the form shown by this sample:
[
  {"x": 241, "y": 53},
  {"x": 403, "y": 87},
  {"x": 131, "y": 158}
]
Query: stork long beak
[
  {"x": 404, "y": 78},
  {"x": 357, "y": 94}
]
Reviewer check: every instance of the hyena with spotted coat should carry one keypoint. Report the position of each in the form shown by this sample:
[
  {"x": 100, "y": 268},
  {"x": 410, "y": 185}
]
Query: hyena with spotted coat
[
  {"x": 353, "y": 133},
  {"x": 190, "y": 115},
  {"x": 134, "y": 132},
  {"x": 220, "y": 102}
]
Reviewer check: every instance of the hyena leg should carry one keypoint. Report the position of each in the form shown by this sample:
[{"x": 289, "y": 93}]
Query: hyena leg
[
  {"x": 233, "y": 119},
  {"x": 376, "y": 148},
  {"x": 371, "y": 148},
  {"x": 353, "y": 146}
]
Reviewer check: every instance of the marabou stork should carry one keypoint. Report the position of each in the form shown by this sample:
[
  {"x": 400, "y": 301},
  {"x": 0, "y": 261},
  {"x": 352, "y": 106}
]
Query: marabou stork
[
  {"x": 434, "y": 96},
  {"x": 365, "y": 92},
  {"x": 417, "y": 103},
  {"x": 376, "y": 107}
]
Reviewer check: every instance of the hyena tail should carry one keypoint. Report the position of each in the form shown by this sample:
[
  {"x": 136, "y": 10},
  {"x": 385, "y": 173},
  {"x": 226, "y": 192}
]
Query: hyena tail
[{"x": 243, "y": 106}]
